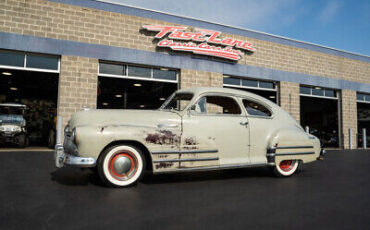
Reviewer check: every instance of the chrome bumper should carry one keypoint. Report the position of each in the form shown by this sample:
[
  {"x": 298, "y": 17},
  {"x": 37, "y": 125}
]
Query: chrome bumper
[{"x": 61, "y": 159}]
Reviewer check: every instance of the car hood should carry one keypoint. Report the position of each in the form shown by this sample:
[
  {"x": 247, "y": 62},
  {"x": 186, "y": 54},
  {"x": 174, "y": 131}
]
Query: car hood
[{"x": 99, "y": 117}]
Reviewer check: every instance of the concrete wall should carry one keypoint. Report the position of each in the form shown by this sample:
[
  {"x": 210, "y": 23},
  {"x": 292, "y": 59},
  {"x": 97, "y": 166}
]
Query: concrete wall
[{"x": 77, "y": 85}]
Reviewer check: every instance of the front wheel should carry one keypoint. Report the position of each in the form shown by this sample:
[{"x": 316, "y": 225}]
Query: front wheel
[
  {"x": 285, "y": 168},
  {"x": 121, "y": 166}
]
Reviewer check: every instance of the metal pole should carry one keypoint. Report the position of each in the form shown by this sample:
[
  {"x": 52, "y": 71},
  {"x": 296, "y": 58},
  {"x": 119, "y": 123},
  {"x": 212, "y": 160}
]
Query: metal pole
[
  {"x": 307, "y": 129},
  {"x": 350, "y": 138},
  {"x": 59, "y": 130},
  {"x": 364, "y": 140}
]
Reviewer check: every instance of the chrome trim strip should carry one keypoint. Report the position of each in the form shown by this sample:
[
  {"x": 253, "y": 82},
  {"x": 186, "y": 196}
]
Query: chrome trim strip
[
  {"x": 286, "y": 154},
  {"x": 185, "y": 151},
  {"x": 293, "y": 147},
  {"x": 209, "y": 168},
  {"x": 79, "y": 161},
  {"x": 189, "y": 159}
]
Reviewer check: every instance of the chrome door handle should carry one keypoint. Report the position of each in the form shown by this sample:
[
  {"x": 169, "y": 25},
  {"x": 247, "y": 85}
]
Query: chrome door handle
[
  {"x": 245, "y": 123},
  {"x": 167, "y": 126}
]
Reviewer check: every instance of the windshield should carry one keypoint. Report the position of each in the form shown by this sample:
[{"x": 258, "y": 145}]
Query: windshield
[
  {"x": 11, "y": 115},
  {"x": 177, "y": 102}
]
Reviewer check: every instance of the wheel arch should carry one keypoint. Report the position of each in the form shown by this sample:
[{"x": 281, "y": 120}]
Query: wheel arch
[{"x": 137, "y": 144}]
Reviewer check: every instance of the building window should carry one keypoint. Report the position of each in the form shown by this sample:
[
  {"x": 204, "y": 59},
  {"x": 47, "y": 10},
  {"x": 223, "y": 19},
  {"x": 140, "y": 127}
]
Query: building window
[
  {"x": 362, "y": 97},
  {"x": 27, "y": 61},
  {"x": 315, "y": 91},
  {"x": 248, "y": 83},
  {"x": 137, "y": 72},
  {"x": 126, "y": 86},
  {"x": 264, "y": 89}
]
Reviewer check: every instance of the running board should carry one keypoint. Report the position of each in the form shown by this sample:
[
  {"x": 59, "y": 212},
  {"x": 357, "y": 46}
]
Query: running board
[{"x": 211, "y": 168}]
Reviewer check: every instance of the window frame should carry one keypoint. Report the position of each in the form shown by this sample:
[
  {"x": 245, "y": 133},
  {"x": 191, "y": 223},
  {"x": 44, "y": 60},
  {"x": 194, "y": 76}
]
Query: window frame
[
  {"x": 318, "y": 96},
  {"x": 241, "y": 86},
  {"x": 24, "y": 67},
  {"x": 364, "y": 99},
  {"x": 126, "y": 76}
]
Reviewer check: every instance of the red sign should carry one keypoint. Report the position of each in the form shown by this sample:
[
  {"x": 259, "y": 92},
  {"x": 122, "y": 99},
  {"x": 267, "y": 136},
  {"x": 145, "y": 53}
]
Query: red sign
[{"x": 205, "y": 42}]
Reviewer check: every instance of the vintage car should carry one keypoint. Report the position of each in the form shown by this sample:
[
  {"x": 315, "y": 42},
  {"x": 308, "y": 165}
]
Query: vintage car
[
  {"x": 13, "y": 125},
  {"x": 195, "y": 129}
]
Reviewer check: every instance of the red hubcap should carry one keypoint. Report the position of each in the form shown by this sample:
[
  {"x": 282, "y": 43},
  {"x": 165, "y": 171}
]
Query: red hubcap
[
  {"x": 287, "y": 165},
  {"x": 123, "y": 165}
]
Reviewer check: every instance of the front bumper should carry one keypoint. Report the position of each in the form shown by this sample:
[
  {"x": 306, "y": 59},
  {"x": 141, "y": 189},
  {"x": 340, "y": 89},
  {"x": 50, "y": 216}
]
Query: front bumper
[
  {"x": 61, "y": 158},
  {"x": 9, "y": 137}
]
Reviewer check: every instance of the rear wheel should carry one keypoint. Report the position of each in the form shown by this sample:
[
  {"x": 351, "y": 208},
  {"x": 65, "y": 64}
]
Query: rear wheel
[
  {"x": 121, "y": 166},
  {"x": 286, "y": 168}
]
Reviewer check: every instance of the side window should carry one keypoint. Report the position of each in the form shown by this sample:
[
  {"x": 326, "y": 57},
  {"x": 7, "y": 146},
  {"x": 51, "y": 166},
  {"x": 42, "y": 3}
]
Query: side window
[
  {"x": 256, "y": 109},
  {"x": 217, "y": 105}
]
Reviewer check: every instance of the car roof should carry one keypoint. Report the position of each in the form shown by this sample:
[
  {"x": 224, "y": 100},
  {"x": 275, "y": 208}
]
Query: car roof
[{"x": 236, "y": 92}]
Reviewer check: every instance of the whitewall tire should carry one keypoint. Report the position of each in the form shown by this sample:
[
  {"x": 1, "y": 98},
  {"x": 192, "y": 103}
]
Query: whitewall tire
[
  {"x": 286, "y": 168},
  {"x": 121, "y": 166}
]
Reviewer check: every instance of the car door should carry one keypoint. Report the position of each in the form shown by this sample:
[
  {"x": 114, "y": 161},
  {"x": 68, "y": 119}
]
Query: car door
[
  {"x": 260, "y": 118},
  {"x": 216, "y": 132}
]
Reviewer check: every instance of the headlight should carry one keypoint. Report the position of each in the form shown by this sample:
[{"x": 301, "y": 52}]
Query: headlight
[{"x": 17, "y": 129}]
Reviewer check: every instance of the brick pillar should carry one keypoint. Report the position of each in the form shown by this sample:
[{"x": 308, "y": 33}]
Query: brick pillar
[
  {"x": 195, "y": 78},
  {"x": 349, "y": 117},
  {"x": 77, "y": 85},
  {"x": 290, "y": 99}
]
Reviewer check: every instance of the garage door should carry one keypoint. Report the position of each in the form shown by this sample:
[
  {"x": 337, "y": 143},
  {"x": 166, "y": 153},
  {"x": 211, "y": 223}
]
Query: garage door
[
  {"x": 127, "y": 86},
  {"x": 28, "y": 98}
]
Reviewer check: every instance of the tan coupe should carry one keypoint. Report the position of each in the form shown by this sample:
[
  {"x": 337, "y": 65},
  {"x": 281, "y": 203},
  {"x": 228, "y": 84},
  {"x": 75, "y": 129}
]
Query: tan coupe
[{"x": 195, "y": 129}]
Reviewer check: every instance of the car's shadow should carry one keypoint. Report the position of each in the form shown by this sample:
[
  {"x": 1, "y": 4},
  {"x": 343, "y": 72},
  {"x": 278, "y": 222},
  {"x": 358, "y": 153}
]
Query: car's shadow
[{"x": 75, "y": 176}]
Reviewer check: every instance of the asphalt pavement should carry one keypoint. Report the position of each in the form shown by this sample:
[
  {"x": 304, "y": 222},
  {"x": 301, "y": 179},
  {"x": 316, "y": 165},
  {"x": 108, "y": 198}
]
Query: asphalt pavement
[{"x": 331, "y": 194}]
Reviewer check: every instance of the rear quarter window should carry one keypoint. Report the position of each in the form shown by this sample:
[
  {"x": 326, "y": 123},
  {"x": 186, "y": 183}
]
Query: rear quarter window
[{"x": 256, "y": 109}]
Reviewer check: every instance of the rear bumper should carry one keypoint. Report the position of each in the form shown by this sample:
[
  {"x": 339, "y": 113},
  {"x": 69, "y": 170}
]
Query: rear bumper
[
  {"x": 322, "y": 154},
  {"x": 61, "y": 158}
]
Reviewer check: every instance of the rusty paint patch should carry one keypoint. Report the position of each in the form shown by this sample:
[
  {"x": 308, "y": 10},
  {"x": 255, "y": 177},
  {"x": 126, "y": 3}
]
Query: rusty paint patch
[
  {"x": 162, "y": 156},
  {"x": 190, "y": 147},
  {"x": 190, "y": 141},
  {"x": 163, "y": 137},
  {"x": 164, "y": 165}
]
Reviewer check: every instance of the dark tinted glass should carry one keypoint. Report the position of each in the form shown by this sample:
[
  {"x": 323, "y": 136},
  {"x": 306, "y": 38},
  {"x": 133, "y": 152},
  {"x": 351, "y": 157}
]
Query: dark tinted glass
[
  {"x": 164, "y": 74},
  {"x": 249, "y": 83},
  {"x": 42, "y": 62},
  {"x": 114, "y": 69},
  {"x": 367, "y": 97},
  {"x": 135, "y": 71},
  {"x": 360, "y": 97},
  {"x": 267, "y": 85},
  {"x": 231, "y": 81},
  {"x": 11, "y": 59},
  {"x": 317, "y": 92},
  {"x": 305, "y": 90},
  {"x": 329, "y": 93},
  {"x": 256, "y": 109}
]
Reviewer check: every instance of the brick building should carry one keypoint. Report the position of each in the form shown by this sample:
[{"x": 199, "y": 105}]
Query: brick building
[{"x": 95, "y": 54}]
